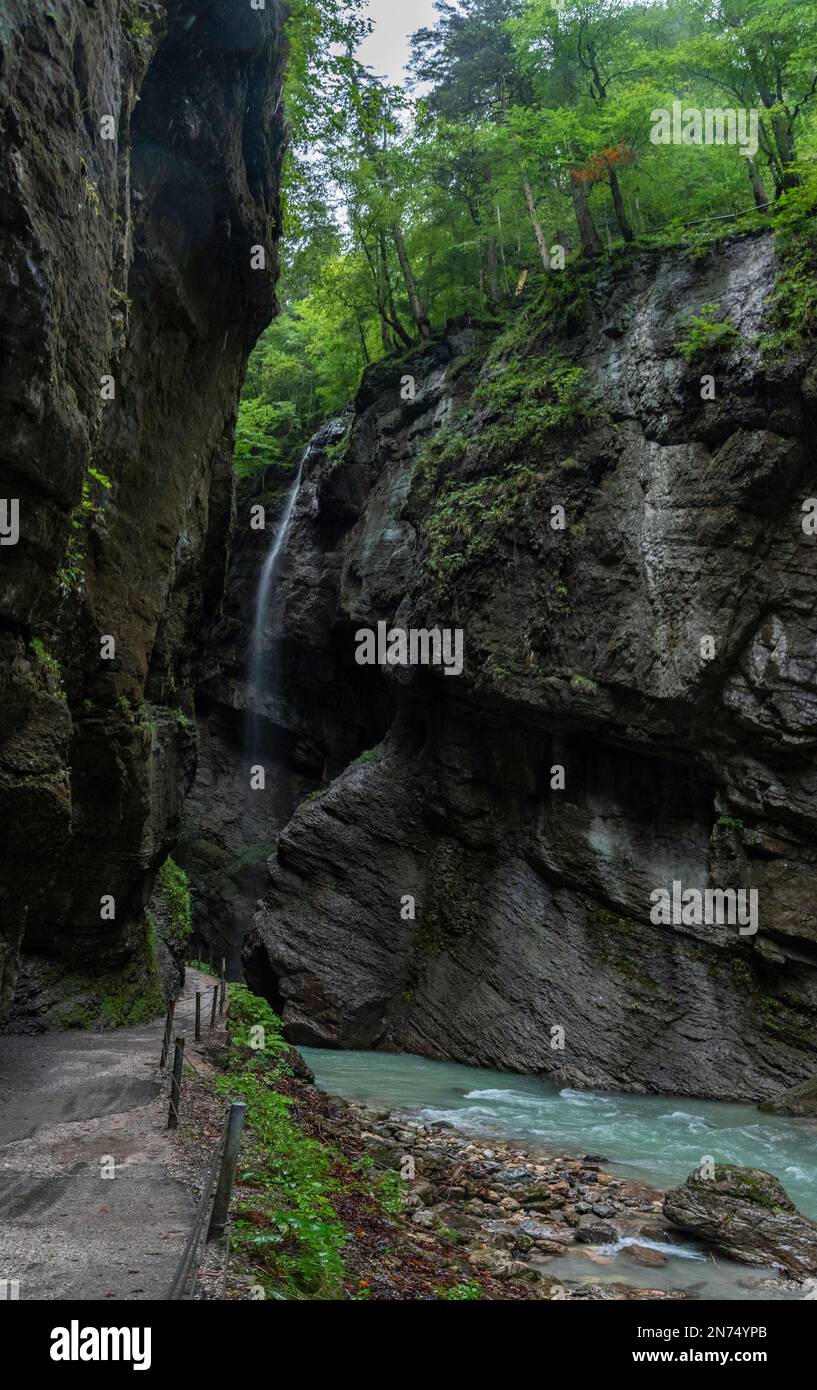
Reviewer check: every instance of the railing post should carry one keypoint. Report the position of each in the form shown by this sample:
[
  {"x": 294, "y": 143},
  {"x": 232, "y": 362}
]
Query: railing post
[
  {"x": 197, "y": 1031},
  {"x": 176, "y": 1085},
  {"x": 223, "y": 995},
  {"x": 226, "y": 1177},
  {"x": 213, "y": 1008},
  {"x": 171, "y": 1008}
]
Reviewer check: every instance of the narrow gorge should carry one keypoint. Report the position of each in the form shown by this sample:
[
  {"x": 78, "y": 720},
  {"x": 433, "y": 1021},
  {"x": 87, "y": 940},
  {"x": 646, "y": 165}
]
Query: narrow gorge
[
  {"x": 129, "y": 308},
  {"x": 408, "y": 639},
  {"x": 582, "y": 651}
]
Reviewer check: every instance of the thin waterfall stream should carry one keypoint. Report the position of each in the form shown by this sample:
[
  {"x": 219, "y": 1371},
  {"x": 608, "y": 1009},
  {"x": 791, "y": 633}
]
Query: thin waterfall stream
[{"x": 263, "y": 666}]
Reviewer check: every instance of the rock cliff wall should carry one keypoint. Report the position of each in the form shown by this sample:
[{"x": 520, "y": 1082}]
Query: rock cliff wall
[
  {"x": 583, "y": 650},
  {"x": 142, "y": 145}
]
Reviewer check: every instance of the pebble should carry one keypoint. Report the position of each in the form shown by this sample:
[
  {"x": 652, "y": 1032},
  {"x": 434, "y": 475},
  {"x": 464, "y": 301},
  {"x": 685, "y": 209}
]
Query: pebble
[
  {"x": 500, "y": 1194},
  {"x": 644, "y": 1255}
]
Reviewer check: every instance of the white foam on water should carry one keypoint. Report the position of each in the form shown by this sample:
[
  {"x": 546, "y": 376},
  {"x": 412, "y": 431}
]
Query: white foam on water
[{"x": 503, "y": 1098}]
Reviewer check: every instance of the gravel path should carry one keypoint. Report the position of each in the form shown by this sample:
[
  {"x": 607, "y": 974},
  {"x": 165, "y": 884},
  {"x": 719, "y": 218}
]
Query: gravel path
[{"x": 69, "y": 1104}]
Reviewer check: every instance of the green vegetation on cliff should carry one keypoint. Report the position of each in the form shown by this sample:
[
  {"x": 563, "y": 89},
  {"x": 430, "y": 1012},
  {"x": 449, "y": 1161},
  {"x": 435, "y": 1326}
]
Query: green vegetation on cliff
[
  {"x": 172, "y": 897},
  {"x": 527, "y": 138},
  {"x": 793, "y": 310},
  {"x": 113, "y": 999},
  {"x": 707, "y": 336}
]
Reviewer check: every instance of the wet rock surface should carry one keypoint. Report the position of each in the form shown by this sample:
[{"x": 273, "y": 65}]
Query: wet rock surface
[
  {"x": 463, "y": 1218},
  {"x": 124, "y": 264},
  {"x": 748, "y": 1214},
  {"x": 531, "y": 905},
  {"x": 457, "y": 1190},
  {"x": 798, "y": 1100}
]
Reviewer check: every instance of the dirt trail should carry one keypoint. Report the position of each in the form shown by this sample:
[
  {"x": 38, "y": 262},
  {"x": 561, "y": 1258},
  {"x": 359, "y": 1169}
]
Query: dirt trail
[{"x": 68, "y": 1101}]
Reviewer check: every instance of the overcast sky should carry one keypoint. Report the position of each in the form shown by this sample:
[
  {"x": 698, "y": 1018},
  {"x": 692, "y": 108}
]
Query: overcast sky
[{"x": 387, "y": 49}]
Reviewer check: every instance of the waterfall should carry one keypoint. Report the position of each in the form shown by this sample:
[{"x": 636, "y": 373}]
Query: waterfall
[{"x": 262, "y": 673}]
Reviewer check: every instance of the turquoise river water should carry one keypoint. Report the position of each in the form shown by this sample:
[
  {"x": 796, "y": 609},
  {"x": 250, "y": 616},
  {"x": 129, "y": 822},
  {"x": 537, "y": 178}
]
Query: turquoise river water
[{"x": 650, "y": 1138}]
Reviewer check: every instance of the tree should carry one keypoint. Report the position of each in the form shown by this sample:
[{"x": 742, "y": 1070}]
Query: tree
[{"x": 757, "y": 51}]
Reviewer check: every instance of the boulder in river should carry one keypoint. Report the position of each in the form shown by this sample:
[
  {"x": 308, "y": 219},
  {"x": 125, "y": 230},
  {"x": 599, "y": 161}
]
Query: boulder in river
[
  {"x": 797, "y": 1100},
  {"x": 748, "y": 1214}
]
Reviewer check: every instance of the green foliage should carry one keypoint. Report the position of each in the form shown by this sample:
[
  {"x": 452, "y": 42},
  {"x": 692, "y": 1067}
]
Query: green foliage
[
  {"x": 516, "y": 411},
  {"x": 442, "y": 455},
  {"x": 467, "y": 521},
  {"x": 583, "y": 683},
  {"x": 267, "y": 435},
  {"x": 392, "y": 1192},
  {"x": 185, "y": 722},
  {"x": 459, "y": 1292},
  {"x": 288, "y": 1232},
  {"x": 50, "y": 665},
  {"x": 539, "y": 393},
  {"x": 136, "y": 24},
  {"x": 793, "y": 310},
  {"x": 72, "y": 571},
  {"x": 173, "y": 891},
  {"x": 401, "y": 212},
  {"x": 120, "y": 297},
  {"x": 707, "y": 336},
  {"x": 119, "y": 999},
  {"x": 248, "y": 1010}
]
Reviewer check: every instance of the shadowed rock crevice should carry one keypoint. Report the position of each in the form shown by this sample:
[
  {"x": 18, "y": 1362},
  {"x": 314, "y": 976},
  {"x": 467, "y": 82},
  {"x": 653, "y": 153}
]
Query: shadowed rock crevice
[{"x": 126, "y": 260}]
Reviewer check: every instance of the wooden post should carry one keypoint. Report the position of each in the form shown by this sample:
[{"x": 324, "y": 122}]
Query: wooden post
[
  {"x": 214, "y": 1007},
  {"x": 223, "y": 996},
  {"x": 168, "y": 1030},
  {"x": 197, "y": 1033},
  {"x": 176, "y": 1085},
  {"x": 226, "y": 1177}
]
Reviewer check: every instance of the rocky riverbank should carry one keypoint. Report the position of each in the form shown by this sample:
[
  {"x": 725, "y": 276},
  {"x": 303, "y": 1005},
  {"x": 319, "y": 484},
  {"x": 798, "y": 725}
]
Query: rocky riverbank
[
  {"x": 490, "y": 1216},
  {"x": 513, "y": 1212}
]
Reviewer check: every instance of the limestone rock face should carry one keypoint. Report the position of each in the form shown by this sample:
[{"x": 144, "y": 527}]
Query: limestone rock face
[
  {"x": 797, "y": 1100},
  {"x": 531, "y": 905},
  {"x": 748, "y": 1214},
  {"x": 141, "y": 164}
]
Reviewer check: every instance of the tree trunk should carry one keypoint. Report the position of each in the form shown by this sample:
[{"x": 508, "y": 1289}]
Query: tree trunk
[
  {"x": 589, "y": 237},
  {"x": 366, "y": 358},
  {"x": 618, "y": 203},
  {"x": 756, "y": 180},
  {"x": 417, "y": 310},
  {"x": 537, "y": 226},
  {"x": 390, "y": 310},
  {"x": 492, "y": 272},
  {"x": 784, "y": 140}
]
